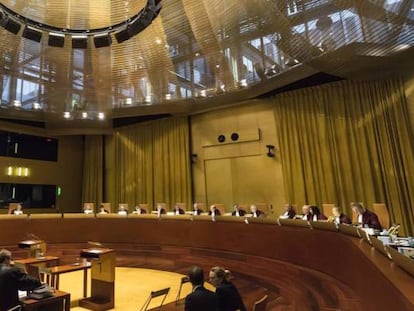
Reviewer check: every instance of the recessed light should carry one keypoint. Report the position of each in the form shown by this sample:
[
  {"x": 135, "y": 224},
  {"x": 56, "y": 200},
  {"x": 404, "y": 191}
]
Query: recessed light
[
  {"x": 101, "y": 116},
  {"x": 84, "y": 115},
  {"x": 66, "y": 114},
  {"x": 17, "y": 103}
]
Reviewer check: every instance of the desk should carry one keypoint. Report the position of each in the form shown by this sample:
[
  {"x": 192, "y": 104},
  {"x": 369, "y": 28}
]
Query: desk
[
  {"x": 55, "y": 272},
  {"x": 61, "y": 298},
  {"x": 40, "y": 261}
]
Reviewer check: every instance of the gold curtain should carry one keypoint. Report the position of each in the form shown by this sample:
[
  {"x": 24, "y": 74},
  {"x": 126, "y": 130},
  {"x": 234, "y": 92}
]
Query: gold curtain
[
  {"x": 93, "y": 170},
  {"x": 153, "y": 163},
  {"x": 348, "y": 141}
]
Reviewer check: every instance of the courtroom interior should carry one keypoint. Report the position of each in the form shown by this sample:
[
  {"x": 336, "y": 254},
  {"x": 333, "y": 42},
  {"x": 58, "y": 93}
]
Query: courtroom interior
[{"x": 271, "y": 138}]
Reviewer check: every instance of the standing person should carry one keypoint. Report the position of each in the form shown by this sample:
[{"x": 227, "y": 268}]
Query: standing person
[
  {"x": 11, "y": 281},
  {"x": 200, "y": 299},
  {"x": 227, "y": 294}
]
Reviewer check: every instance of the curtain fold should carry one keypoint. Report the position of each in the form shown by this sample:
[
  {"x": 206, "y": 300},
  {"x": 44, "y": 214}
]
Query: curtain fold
[
  {"x": 348, "y": 141},
  {"x": 153, "y": 163},
  {"x": 93, "y": 170}
]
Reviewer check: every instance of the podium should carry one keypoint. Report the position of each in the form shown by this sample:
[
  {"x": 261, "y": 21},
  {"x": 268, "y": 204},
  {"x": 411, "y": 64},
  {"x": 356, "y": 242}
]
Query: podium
[
  {"x": 35, "y": 248},
  {"x": 102, "y": 279}
]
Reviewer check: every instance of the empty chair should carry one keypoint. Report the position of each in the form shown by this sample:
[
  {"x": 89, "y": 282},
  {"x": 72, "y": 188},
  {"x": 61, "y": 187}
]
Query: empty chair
[
  {"x": 327, "y": 209},
  {"x": 154, "y": 294},
  {"x": 383, "y": 215},
  {"x": 260, "y": 305}
]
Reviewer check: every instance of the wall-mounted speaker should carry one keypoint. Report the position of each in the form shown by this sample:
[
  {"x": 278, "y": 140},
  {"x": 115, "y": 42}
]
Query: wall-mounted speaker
[
  {"x": 32, "y": 34},
  {"x": 221, "y": 138},
  {"x": 56, "y": 40}
]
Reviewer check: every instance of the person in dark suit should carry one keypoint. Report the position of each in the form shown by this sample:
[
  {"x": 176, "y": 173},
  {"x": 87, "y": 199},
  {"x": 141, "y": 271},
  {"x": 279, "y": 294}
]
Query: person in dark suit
[
  {"x": 339, "y": 217},
  {"x": 228, "y": 296},
  {"x": 160, "y": 210},
  {"x": 214, "y": 211},
  {"x": 366, "y": 218},
  {"x": 178, "y": 210},
  {"x": 139, "y": 210},
  {"x": 237, "y": 211},
  {"x": 317, "y": 214},
  {"x": 289, "y": 213},
  {"x": 11, "y": 281},
  {"x": 200, "y": 299},
  {"x": 196, "y": 209},
  {"x": 255, "y": 212}
]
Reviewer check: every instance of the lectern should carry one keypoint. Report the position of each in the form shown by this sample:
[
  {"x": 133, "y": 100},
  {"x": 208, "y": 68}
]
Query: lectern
[
  {"x": 35, "y": 248},
  {"x": 102, "y": 279}
]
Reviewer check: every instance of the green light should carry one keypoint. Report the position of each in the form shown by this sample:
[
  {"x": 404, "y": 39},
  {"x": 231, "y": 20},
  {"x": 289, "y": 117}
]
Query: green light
[{"x": 58, "y": 191}]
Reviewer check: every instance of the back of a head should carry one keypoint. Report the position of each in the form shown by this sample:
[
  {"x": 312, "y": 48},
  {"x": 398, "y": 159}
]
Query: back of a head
[
  {"x": 219, "y": 273},
  {"x": 196, "y": 276},
  {"x": 4, "y": 255}
]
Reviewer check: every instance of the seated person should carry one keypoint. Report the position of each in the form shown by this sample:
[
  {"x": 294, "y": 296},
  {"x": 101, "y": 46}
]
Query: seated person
[
  {"x": 317, "y": 214},
  {"x": 289, "y": 212},
  {"x": 306, "y": 213},
  {"x": 18, "y": 210},
  {"x": 197, "y": 210},
  {"x": 214, "y": 211},
  {"x": 178, "y": 210},
  {"x": 237, "y": 211},
  {"x": 366, "y": 218},
  {"x": 160, "y": 210},
  {"x": 139, "y": 210},
  {"x": 228, "y": 296},
  {"x": 255, "y": 212},
  {"x": 123, "y": 209},
  {"x": 11, "y": 281},
  {"x": 103, "y": 210},
  {"x": 339, "y": 217},
  {"x": 88, "y": 209}
]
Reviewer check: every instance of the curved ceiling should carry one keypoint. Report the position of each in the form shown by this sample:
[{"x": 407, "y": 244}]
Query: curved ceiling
[{"x": 193, "y": 55}]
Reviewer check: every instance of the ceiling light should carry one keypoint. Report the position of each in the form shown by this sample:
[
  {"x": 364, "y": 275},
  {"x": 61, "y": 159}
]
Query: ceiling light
[
  {"x": 203, "y": 93},
  {"x": 17, "y": 103},
  {"x": 148, "y": 98},
  {"x": 168, "y": 96},
  {"x": 102, "y": 40},
  {"x": 36, "y": 106},
  {"x": 128, "y": 101},
  {"x": 66, "y": 114},
  {"x": 56, "y": 39},
  {"x": 79, "y": 42},
  {"x": 158, "y": 41},
  {"x": 32, "y": 34},
  {"x": 101, "y": 116},
  {"x": 84, "y": 115}
]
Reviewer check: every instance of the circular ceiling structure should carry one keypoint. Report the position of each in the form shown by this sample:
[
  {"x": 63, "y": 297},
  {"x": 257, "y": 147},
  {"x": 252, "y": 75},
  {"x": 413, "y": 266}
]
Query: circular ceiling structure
[{"x": 189, "y": 55}]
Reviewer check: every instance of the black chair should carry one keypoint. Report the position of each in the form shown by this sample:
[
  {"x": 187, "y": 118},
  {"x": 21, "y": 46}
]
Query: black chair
[
  {"x": 184, "y": 279},
  {"x": 159, "y": 293}
]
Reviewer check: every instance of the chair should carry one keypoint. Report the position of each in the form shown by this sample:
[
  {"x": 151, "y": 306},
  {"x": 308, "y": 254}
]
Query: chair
[
  {"x": 122, "y": 208},
  {"x": 265, "y": 208},
  {"x": 107, "y": 207},
  {"x": 162, "y": 205},
  {"x": 159, "y": 293},
  {"x": 184, "y": 280},
  {"x": 88, "y": 208},
  {"x": 144, "y": 206},
  {"x": 13, "y": 207},
  {"x": 327, "y": 209},
  {"x": 15, "y": 308},
  {"x": 260, "y": 305},
  {"x": 220, "y": 207},
  {"x": 383, "y": 215},
  {"x": 379, "y": 246}
]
